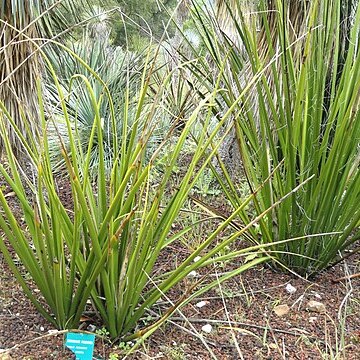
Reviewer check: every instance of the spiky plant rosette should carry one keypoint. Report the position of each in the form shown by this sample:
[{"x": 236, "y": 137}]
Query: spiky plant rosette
[
  {"x": 290, "y": 80},
  {"x": 119, "y": 69}
]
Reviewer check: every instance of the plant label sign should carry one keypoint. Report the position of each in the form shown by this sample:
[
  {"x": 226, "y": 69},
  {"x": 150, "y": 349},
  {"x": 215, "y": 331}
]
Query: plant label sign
[{"x": 82, "y": 345}]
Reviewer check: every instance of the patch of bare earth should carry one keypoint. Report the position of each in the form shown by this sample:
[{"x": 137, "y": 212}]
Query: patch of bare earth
[{"x": 241, "y": 314}]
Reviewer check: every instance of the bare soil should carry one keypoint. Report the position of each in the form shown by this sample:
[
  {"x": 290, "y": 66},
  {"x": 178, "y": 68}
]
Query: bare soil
[{"x": 247, "y": 301}]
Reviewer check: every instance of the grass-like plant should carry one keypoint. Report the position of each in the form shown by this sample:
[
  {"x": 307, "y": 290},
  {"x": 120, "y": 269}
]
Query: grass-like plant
[
  {"x": 105, "y": 243},
  {"x": 302, "y": 64}
]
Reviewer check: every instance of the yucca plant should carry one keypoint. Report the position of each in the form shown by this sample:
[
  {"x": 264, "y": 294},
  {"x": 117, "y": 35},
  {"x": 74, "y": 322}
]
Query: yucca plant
[
  {"x": 120, "y": 70},
  {"x": 301, "y": 115},
  {"x": 104, "y": 245}
]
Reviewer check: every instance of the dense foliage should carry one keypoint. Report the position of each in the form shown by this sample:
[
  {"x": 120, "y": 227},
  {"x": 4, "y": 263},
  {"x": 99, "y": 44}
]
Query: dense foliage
[
  {"x": 292, "y": 91},
  {"x": 151, "y": 17},
  {"x": 90, "y": 107}
]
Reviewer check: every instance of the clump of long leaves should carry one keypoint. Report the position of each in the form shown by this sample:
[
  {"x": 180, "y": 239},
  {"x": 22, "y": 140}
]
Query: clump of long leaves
[
  {"x": 301, "y": 116},
  {"x": 119, "y": 69},
  {"x": 105, "y": 242}
]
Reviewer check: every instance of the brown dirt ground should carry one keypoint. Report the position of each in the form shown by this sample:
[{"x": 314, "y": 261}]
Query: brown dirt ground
[{"x": 248, "y": 301}]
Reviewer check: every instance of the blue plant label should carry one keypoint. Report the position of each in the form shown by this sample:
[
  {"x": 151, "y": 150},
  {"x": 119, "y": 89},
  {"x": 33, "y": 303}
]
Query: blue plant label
[{"x": 82, "y": 345}]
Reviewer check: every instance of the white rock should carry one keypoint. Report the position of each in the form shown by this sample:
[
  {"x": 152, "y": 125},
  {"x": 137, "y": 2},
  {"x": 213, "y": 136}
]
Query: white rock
[
  {"x": 197, "y": 258},
  {"x": 290, "y": 289},
  {"x": 316, "y": 294},
  {"x": 201, "y": 304},
  {"x": 192, "y": 273},
  {"x": 207, "y": 328},
  {"x": 42, "y": 328},
  {"x": 312, "y": 319},
  {"x": 91, "y": 328}
]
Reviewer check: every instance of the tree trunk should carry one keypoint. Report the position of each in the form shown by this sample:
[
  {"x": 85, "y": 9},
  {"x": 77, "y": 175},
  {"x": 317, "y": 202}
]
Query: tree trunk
[{"x": 20, "y": 68}]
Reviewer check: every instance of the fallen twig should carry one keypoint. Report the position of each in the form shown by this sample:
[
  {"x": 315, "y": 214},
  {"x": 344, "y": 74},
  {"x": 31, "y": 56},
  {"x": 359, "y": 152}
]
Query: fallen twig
[{"x": 348, "y": 277}]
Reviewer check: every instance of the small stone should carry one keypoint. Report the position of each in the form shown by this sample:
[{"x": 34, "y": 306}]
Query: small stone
[
  {"x": 281, "y": 310},
  {"x": 201, "y": 304},
  {"x": 290, "y": 289},
  {"x": 312, "y": 319},
  {"x": 192, "y": 273},
  {"x": 91, "y": 328},
  {"x": 17, "y": 314},
  {"x": 197, "y": 258},
  {"x": 316, "y": 306},
  {"x": 207, "y": 328},
  {"x": 42, "y": 328}
]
